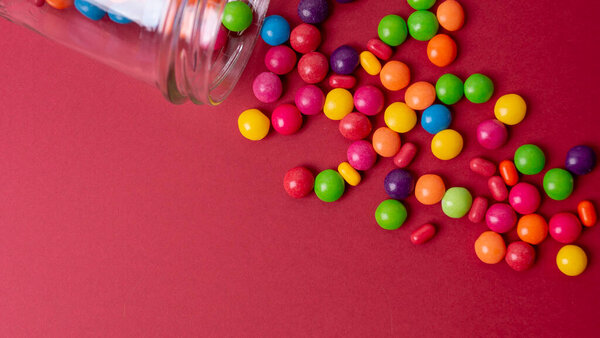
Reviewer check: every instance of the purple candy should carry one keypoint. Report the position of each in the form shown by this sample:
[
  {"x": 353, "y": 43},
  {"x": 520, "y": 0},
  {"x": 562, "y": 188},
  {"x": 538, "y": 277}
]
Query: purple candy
[
  {"x": 491, "y": 134},
  {"x": 313, "y": 11},
  {"x": 500, "y": 217},
  {"x": 361, "y": 155},
  {"x": 309, "y": 99},
  {"x": 344, "y": 60},
  {"x": 398, "y": 184},
  {"x": 580, "y": 160},
  {"x": 267, "y": 87},
  {"x": 368, "y": 100}
]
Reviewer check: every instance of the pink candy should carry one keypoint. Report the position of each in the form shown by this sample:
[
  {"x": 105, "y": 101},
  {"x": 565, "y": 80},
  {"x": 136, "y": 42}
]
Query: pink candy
[
  {"x": 491, "y": 134},
  {"x": 482, "y": 166},
  {"x": 368, "y": 100},
  {"x": 405, "y": 155},
  {"x": 478, "y": 209},
  {"x": 497, "y": 188},
  {"x": 361, "y": 155},
  {"x": 564, "y": 227},
  {"x": 280, "y": 59},
  {"x": 267, "y": 87},
  {"x": 355, "y": 126},
  {"x": 524, "y": 198},
  {"x": 309, "y": 100},
  {"x": 286, "y": 119},
  {"x": 500, "y": 217}
]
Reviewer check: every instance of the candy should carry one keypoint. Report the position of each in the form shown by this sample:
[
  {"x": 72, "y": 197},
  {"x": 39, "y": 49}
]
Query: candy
[
  {"x": 267, "y": 87},
  {"x": 275, "y": 30},
  {"x": 219, "y": 43},
  {"x": 237, "y": 16},
  {"x": 399, "y": 117},
  {"x": 500, "y": 217},
  {"x": 456, "y": 202},
  {"x": 329, "y": 185},
  {"x": 89, "y": 10},
  {"x": 392, "y": 30},
  {"x": 529, "y": 159},
  {"x": 422, "y": 25},
  {"x": 305, "y": 38},
  {"x": 580, "y": 160},
  {"x": 482, "y": 166},
  {"x": 587, "y": 213},
  {"x": 524, "y": 198},
  {"x": 450, "y": 15},
  {"x": 497, "y": 188},
  {"x": 532, "y": 228},
  {"x": 430, "y": 189},
  {"x": 361, "y": 155},
  {"x": 344, "y": 60},
  {"x": 298, "y": 182},
  {"x": 571, "y": 260},
  {"x": 491, "y": 134},
  {"x": 355, "y": 126},
  {"x": 420, "y": 95},
  {"x": 390, "y": 214},
  {"x": 446, "y": 144},
  {"x": 386, "y": 142},
  {"x": 405, "y": 155},
  {"x": 441, "y": 50},
  {"x": 253, "y": 124},
  {"x": 368, "y": 100},
  {"x": 39, "y": 3},
  {"x": 449, "y": 89},
  {"x": 490, "y": 247},
  {"x": 398, "y": 184},
  {"x": 558, "y": 184},
  {"x": 478, "y": 209},
  {"x": 350, "y": 175},
  {"x": 280, "y": 60},
  {"x": 313, "y": 11},
  {"x": 423, "y": 234},
  {"x": 370, "y": 63},
  {"x": 510, "y": 109},
  {"x": 421, "y": 4},
  {"x": 478, "y": 88},
  {"x": 286, "y": 119},
  {"x": 519, "y": 256},
  {"x": 394, "y": 75},
  {"x": 309, "y": 100},
  {"x": 380, "y": 49},
  {"x": 436, "y": 118},
  {"x": 338, "y": 103},
  {"x": 313, "y": 67},
  {"x": 564, "y": 227},
  {"x": 60, "y": 4},
  {"x": 342, "y": 81},
  {"x": 508, "y": 172}
]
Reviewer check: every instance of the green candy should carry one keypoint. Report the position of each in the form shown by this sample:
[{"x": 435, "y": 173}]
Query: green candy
[
  {"x": 237, "y": 16},
  {"x": 422, "y": 25},
  {"x": 449, "y": 89},
  {"x": 392, "y": 30},
  {"x": 329, "y": 185},
  {"x": 421, "y": 4},
  {"x": 456, "y": 202},
  {"x": 390, "y": 214},
  {"x": 558, "y": 184},
  {"x": 478, "y": 88},
  {"x": 529, "y": 159}
]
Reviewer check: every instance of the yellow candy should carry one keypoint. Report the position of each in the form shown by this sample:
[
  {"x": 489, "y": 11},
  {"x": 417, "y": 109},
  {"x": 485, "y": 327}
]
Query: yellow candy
[
  {"x": 510, "y": 109},
  {"x": 571, "y": 260},
  {"x": 370, "y": 63},
  {"x": 399, "y": 117},
  {"x": 338, "y": 103},
  {"x": 350, "y": 175},
  {"x": 446, "y": 144},
  {"x": 253, "y": 124}
]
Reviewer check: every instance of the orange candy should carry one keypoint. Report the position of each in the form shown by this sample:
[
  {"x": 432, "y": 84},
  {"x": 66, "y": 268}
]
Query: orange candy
[
  {"x": 587, "y": 213},
  {"x": 508, "y": 172},
  {"x": 532, "y": 229},
  {"x": 394, "y": 75},
  {"x": 490, "y": 247},
  {"x": 430, "y": 189},
  {"x": 60, "y": 4},
  {"x": 441, "y": 50},
  {"x": 419, "y": 95},
  {"x": 450, "y": 15},
  {"x": 386, "y": 142}
]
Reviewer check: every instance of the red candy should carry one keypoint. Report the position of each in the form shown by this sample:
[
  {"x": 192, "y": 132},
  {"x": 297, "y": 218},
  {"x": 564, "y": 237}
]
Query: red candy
[
  {"x": 497, "y": 188},
  {"x": 405, "y": 155},
  {"x": 379, "y": 49},
  {"x": 298, "y": 182},
  {"x": 423, "y": 234},
  {"x": 478, "y": 209},
  {"x": 519, "y": 256},
  {"x": 305, "y": 38},
  {"x": 342, "y": 81},
  {"x": 39, "y": 3},
  {"x": 509, "y": 173},
  {"x": 280, "y": 59},
  {"x": 355, "y": 126},
  {"x": 286, "y": 119},
  {"x": 313, "y": 67},
  {"x": 482, "y": 166}
]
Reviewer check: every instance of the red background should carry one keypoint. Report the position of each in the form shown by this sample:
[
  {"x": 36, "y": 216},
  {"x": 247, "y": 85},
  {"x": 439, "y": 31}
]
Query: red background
[{"x": 124, "y": 215}]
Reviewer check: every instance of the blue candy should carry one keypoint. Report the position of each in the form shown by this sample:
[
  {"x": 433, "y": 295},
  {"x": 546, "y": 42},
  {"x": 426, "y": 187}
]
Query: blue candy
[
  {"x": 436, "y": 118},
  {"x": 275, "y": 30},
  {"x": 118, "y": 18},
  {"x": 89, "y": 10}
]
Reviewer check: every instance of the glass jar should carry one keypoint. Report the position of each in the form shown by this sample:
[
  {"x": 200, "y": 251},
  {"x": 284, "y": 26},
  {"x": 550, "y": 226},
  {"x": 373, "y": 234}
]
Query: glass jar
[{"x": 171, "y": 44}]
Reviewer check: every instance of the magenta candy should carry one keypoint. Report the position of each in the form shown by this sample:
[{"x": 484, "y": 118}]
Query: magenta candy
[
  {"x": 423, "y": 234},
  {"x": 524, "y": 198},
  {"x": 491, "y": 134},
  {"x": 405, "y": 155},
  {"x": 267, "y": 87},
  {"x": 342, "y": 81},
  {"x": 355, "y": 126},
  {"x": 478, "y": 209},
  {"x": 309, "y": 99},
  {"x": 497, "y": 188},
  {"x": 286, "y": 119},
  {"x": 280, "y": 59},
  {"x": 368, "y": 100},
  {"x": 482, "y": 166},
  {"x": 500, "y": 217},
  {"x": 564, "y": 227},
  {"x": 380, "y": 49},
  {"x": 361, "y": 155},
  {"x": 520, "y": 256}
]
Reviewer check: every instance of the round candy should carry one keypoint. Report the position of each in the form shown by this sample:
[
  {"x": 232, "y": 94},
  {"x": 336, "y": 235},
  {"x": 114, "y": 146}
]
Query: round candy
[
  {"x": 368, "y": 100},
  {"x": 369, "y": 63},
  {"x": 221, "y": 37},
  {"x": 441, "y": 50},
  {"x": 286, "y": 119},
  {"x": 392, "y": 30},
  {"x": 456, "y": 202},
  {"x": 580, "y": 160},
  {"x": 449, "y": 89},
  {"x": 298, "y": 182},
  {"x": 587, "y": 213},
  {"x": 329, "y": 185},
  {"x": 39, "y": 3},
  {"x": 313, "y": 67},
  {"x": 405, "y": 155},
  {"x": 446, "y": 144},
  {"x": 309, "y": 99},
  {"x": 280, "y": 60},
  {"x": 344, "y": 60},
  {"x": 60, "y": 4},
  {"x": 436, "y": 118},
  {"x": 510, "y": 109},
  {"x": 529, "y": 159},
  {"x": 361, "y": 155},
  {"x": 524, "y": 198},
  {"x": 267, "y": 87},
  {"x": 355, "y": 126},
  {"x": 350, "y": 175},
  {"x": 509, "y": 173},
  {"x": 380, "y": 49},
  {"x": 564, "y": 227},
  {"x": 422, "y": 25},
  {"x": 520, "y": 256},
  {"x": 491, "y": 134},
  {"x": 342, "y": 81},
  {"x": 478, "y": 88},
  {"x": 313, "y": 11},
  {"x": 399, "y": 117},
  {"x": 253, "y": 124},
  {"x": 398, "y": 184},
  {"x": 338, "y": 103},
  {"x": 532, "y": 228},
  {"x": 89, "y": 10},
  {"x": 386, "y": 142},
  {"x": 490, "y": 247},
  {"x": 558, "y": 184},
  {"x": 420, "y": 95},
  {"x": 305, "y": 38},
  {"x": 390, "y": 214},
  {"x": 275, "y": 30},
  {"x": 394, "y": 75},
  {"x": 421, "y": 4},
  {"x": 571, "y": 260},
  {"x": 450, "y": 15},
  {"x": 430, "y": 189},
  {"x": 237, "y": 16},
  {"x": 500, "y": 217}
]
